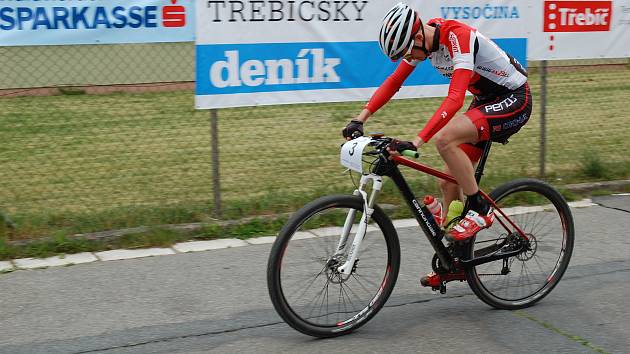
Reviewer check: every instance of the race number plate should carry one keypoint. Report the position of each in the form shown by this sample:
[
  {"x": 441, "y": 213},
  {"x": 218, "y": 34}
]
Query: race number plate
[{"x": 352, "y": 153}]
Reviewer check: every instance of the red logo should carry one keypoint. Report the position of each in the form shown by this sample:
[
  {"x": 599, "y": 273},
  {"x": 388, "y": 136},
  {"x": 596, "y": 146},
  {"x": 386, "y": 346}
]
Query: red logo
[
  {"x": 174, "y": 16},
  {"x": 577, "y": 16},
  {"x": 454, "y": 42}
]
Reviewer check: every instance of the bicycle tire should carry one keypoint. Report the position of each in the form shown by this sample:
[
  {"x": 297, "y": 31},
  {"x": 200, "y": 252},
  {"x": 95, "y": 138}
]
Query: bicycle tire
[
  {"x": 537, "y": 215},
  {"x": 290, "y": 311}
]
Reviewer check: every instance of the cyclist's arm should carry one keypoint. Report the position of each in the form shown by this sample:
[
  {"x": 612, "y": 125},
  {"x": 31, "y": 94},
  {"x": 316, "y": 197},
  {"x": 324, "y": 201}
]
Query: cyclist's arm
[
  {"x": 461, "y": 43},
  {"x": 386, "y": 91},
  {"x": 451, "y": 104}
]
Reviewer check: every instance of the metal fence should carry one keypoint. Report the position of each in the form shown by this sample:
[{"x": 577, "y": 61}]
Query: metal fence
[{"x": 108, "y": 132}]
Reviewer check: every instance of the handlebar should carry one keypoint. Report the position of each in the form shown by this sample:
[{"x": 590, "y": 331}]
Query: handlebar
[
  {"x": 381, "y": 143},
  {"x": 410, "y": 153}
]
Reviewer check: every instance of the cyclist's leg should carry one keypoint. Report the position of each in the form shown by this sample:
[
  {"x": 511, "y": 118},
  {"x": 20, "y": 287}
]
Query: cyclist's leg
[
  {"x": 496, "y": 120},
  {"x": 479, "y": 214},
  {"x": 458, "y": 131},
  {"x": 492, "y": 121},
  {"x": 451, "y": 191}
]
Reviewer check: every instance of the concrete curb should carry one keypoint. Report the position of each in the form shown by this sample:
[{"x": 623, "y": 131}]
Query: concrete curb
[
  {"x": 202, "y": 246},
  {"x": 586, "y": 187},
  {"x": 116, "y": 255},
  {"x": 56, "y": 261}
]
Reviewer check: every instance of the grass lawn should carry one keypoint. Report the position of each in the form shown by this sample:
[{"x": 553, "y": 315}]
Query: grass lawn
[{"x": 82, "y": 163}]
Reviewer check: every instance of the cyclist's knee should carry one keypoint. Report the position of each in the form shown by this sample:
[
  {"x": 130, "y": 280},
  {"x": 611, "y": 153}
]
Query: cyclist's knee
[
  {"x": 458, "y": 131},
  {"x": 444, "y": 140}
]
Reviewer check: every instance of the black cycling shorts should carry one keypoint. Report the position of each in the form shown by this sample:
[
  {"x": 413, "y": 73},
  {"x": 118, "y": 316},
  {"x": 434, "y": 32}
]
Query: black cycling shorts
[{"x": 498, "y": 118}]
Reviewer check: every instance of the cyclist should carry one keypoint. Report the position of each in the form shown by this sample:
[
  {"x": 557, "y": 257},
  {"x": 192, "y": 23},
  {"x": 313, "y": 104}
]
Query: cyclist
[{"x": 501, "y": 104}]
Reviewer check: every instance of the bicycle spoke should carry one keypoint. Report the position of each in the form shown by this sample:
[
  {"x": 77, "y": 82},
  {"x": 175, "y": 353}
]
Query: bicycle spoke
[
  {"x": 535, "y": 229},
  {"x": 542, "y": 270},
  {"x": 344, "y": 290},
  {"x": 316, "y": 299},
  {"x": 312, "y": 281},
  {"x": 357, "y": 297},
  {"x": 528, "y": 281},
  {"x": 361, "y": 284}
]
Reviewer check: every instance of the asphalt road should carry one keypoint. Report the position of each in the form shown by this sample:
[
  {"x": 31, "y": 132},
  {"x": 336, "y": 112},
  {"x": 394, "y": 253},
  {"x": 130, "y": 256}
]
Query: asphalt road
[{"x": 217, "y": 302}]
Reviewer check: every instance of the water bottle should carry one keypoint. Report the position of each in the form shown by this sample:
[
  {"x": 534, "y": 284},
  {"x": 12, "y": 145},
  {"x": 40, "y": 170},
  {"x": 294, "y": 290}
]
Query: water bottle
[
  {"x": 455, "y": 209},
  {"x": 435, "y": 207}
]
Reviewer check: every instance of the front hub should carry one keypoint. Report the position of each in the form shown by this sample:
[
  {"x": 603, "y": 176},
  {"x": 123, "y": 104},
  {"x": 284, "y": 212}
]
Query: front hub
[{"x": 333, "y": 273}]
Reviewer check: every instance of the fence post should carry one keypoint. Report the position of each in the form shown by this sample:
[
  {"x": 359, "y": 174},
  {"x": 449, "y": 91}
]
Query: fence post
[
  {"x": 543, "y": 117},
  {"x": 216, "y": 181}
]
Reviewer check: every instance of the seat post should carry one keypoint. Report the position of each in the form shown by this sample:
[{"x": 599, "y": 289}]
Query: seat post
[{"x": 482, "y": 161}]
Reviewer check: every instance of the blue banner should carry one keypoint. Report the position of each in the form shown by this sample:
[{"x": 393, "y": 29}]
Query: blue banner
[
  {"x": 61, "y": 22},
  {"x": 271, "y": 67}
]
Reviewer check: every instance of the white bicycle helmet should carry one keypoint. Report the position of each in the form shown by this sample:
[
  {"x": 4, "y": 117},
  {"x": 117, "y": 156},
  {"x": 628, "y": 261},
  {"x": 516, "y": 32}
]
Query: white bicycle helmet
[{"x": 398, "y": 29}]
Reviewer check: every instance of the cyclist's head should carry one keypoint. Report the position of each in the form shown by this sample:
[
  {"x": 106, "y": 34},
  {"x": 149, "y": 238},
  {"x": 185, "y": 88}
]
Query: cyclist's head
[{"x": 398, "y": 30}]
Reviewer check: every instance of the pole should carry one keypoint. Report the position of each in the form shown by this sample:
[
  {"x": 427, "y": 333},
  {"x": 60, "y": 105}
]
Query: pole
[
  {"x": 543, "y": 117},
  {"x": 216, "y": 181}
]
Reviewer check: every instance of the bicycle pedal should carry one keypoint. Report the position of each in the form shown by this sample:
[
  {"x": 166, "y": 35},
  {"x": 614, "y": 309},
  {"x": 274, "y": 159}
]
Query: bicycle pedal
[{"x": 441, "y": 288}]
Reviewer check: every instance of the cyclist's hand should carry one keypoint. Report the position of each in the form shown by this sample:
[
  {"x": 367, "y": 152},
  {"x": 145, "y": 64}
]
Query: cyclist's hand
[
  {"x": 418, "y": 142},
  {"x": 397, "y": 146},
  {"x": 353, "y": 130}
]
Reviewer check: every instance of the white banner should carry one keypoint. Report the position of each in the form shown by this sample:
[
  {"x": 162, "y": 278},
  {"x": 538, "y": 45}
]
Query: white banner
[
  {"x": 579, "y": 29},
  {"x": 296, "y": 51}
]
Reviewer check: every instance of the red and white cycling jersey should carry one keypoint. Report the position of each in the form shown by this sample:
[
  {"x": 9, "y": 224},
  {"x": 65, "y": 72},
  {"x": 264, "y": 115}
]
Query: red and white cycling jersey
[
  {"x": 469, "y": 59},
  {"x": 463, "y": 47}
]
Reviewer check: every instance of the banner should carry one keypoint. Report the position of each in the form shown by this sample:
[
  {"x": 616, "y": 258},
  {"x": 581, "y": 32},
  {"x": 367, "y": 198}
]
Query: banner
[
  {"x": 579, "y": 29},
  {"x": 61, "y": 22},
  {"x": 297, "y": 51}
]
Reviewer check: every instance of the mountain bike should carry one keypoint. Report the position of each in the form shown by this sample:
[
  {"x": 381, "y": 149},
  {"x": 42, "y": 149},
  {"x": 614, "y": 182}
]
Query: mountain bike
[{"x": 335, "y": 262}]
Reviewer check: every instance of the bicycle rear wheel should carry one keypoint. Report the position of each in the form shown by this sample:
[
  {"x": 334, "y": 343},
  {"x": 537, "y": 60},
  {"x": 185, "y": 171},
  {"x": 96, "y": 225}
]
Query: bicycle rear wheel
[
  {"x": 304, "y": 285},
  {"x": 521, "y": 281}
]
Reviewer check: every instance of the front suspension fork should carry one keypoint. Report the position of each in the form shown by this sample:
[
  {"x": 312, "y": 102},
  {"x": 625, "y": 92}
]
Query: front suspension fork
[{"x": 368, "y": 209}]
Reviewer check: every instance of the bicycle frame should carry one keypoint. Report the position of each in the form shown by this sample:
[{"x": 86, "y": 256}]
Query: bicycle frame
[
  {"x": 436, "y": 173},
  {"x": 434, "y": 233}
]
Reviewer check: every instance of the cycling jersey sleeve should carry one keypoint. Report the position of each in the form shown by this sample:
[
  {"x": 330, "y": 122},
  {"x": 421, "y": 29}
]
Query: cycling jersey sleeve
[
  {"x": 451, "y": 104},
  {"x": 390, "y": 86}
]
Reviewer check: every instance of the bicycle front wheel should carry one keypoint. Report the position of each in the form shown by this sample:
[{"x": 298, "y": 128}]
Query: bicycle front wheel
[
  {"x": 522, "y": 280},
  {"x": 306, "y": 288}
]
